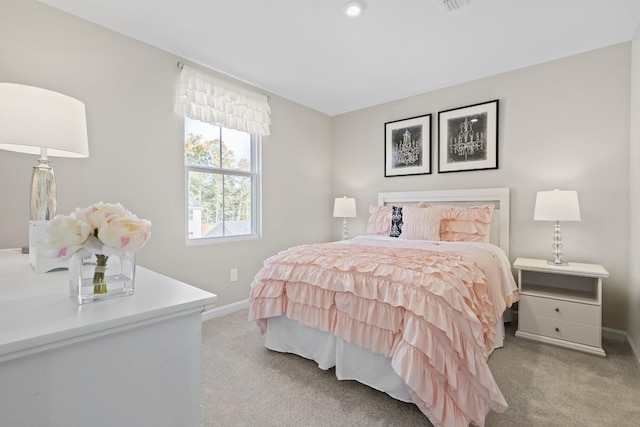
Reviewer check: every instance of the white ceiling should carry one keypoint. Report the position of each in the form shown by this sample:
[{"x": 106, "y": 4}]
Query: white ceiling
[{"x": 308, "y": 51}]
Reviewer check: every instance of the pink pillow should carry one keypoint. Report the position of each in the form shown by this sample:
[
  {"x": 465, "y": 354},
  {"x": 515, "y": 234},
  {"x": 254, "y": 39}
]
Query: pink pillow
[
  {"x": 421, "y": 223},
  {"x": 379, "y": 220},
  {"x": 466, "y": 223}
]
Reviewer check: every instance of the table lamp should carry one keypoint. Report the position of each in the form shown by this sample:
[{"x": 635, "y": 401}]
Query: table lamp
[
  {"x": 557, "y": 206},
  {"x": 344, "y": 207},
  {"x": 39, "y": 121}
]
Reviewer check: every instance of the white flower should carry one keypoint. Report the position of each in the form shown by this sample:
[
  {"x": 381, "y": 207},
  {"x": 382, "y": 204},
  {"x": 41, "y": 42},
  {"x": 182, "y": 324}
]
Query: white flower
[
  {"x": 97, "y": 213},
  {"x": 127, "y": 234},
  {"x": 67, "y": 235},
  {"x": 101, "y": 227}
]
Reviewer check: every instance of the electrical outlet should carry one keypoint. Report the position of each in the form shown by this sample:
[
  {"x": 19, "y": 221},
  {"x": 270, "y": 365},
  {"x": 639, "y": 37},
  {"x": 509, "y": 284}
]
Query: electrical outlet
[{"x": 234, "y": 275}]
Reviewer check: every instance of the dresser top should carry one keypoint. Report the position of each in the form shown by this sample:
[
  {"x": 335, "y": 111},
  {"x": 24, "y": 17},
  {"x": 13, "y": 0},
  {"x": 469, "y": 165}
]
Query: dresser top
[{"x": 36, "y": 309}]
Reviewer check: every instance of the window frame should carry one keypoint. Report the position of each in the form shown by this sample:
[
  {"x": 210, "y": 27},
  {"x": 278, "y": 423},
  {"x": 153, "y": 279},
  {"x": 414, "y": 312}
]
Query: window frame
[{"x": 256, "y": 194}]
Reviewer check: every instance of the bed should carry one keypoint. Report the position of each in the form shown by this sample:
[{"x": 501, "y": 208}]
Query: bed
[{"x": 416, "y": 315}]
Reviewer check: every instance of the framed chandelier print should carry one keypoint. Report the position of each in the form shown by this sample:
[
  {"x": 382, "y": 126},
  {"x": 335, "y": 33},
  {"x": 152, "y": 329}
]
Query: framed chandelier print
[
  {"x": 407, "y": 146},
  {"x": 468, "y": 138}
]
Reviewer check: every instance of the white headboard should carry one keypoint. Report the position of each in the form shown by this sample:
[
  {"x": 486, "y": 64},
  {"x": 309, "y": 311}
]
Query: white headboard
[{"x": 499, "y": 197}]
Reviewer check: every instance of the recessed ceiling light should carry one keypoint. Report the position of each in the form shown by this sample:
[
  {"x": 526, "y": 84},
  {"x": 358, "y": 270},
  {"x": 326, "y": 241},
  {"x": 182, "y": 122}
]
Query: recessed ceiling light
[{"x": 353, "y": 9}]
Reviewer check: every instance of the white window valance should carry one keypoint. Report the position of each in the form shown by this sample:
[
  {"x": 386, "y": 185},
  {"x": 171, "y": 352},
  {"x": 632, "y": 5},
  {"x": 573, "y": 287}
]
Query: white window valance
[{"x": 203, "y": 97}]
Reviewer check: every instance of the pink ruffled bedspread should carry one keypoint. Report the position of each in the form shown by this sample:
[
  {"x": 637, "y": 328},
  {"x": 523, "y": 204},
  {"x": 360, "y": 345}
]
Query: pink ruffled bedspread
[{"x": 429, "y": 311}]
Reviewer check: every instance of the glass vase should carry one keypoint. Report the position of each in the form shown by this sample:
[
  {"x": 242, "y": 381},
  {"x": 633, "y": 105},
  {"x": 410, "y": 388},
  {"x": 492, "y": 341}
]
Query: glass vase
[{"x": 95, "y": 277}]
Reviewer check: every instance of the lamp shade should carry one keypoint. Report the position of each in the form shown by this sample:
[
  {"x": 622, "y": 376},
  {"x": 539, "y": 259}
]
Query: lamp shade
[
  {"x": 32, "y": 118},
  {"x": 344, "y": 207},
  {"x": 557, "y": 205}
]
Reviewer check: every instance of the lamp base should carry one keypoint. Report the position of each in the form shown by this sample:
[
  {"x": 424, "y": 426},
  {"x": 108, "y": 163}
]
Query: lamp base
[
  {"x": 345, "y": 235},
  {"x": 43, "y": 190},
  {"x": 39, "y": 263},
  {"x": 557, "y": 247}
]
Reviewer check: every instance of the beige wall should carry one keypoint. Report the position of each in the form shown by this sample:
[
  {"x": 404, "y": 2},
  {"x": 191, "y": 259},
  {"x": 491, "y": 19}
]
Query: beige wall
[
  {"x": 562, "y": 124},
  {"x": 136, "y": 157},
  {"x": 633, "y": 324}
]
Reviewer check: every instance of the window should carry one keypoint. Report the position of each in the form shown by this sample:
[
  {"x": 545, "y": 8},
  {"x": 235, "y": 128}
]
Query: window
[{"x": 222, "y": 168}]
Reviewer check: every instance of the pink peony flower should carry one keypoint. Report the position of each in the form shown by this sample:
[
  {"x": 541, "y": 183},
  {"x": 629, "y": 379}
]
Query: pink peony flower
[
  {"x": 67, "y": 235},
  {"x": 125, "y": 233},
  {"x": 97, "y": 213},
  {"x": 101, "y": 227}
]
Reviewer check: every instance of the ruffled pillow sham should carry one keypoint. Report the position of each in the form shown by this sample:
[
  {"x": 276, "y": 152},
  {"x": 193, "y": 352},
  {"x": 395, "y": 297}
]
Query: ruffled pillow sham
[
  {"x": 421, "y": 223},
  {"x": 435, "y": 222},
  {"x": 465, "y": 223},
  {"x": 379, "y": 220}
]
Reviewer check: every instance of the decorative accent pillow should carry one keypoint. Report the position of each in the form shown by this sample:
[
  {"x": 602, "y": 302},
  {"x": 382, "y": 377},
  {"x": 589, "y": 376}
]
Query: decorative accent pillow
[
  {"x": 396, "y": 221},
  {"x": 379, "y": 220},
  {"x": 421, "y": 223},
  {"x": 466, "y": 223}
]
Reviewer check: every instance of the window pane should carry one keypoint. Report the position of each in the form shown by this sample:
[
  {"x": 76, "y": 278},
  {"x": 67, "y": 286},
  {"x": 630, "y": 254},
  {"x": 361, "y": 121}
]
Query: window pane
[
  {"x": 222, "y": 182},
  {"x": 237, "y": 206},
  {"x": 201, "y": 143},
  {"x": 205, "y": 204},
  {"x": 237, "y": 149}
]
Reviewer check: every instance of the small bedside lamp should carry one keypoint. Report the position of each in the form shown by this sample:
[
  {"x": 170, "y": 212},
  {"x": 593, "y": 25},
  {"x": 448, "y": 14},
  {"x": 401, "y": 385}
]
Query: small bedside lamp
[
  {"x": 557, "y": 206},
  {"x": 344, "y": 207}
]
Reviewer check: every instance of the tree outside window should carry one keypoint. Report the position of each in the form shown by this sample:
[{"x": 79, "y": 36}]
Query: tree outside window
[{"x": 222, "y": 181}]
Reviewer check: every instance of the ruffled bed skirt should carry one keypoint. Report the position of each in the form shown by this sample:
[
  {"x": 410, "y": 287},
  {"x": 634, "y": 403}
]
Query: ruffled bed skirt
[{"x": 350, "y": 361}]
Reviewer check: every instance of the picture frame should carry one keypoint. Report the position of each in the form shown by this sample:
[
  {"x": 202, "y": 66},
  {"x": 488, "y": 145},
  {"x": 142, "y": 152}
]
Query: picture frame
[
  {"x": 468, "y": 138},
  {"x": 407, "y": 146}
]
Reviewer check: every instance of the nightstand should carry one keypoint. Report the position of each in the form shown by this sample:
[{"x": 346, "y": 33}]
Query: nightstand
[{"x": 561, "y": 305}]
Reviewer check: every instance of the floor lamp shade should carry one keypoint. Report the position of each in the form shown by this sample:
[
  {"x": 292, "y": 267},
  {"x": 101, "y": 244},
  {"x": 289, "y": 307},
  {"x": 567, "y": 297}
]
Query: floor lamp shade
[{"x": 39, "y": 121}]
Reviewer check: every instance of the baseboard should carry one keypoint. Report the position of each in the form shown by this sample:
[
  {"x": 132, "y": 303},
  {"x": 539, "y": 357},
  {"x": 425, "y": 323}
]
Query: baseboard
[
  {"x": 634, "y": 350},
  {"x": 614, "y": 334},
  {"x": 618, "y": 335},
  {"x": 225, "y": 309}
]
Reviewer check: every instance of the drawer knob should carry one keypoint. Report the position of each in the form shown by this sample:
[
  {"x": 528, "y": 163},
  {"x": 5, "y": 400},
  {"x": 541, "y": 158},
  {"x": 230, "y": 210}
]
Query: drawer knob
[
  {"x": 557, "y": 310},
  {"x": 557, "y": 329}
]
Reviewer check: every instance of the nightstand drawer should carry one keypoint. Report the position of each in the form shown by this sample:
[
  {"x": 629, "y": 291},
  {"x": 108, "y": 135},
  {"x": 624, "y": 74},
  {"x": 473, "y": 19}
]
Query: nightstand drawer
[
  {"x": 568, "y": 331},
  {"x": 587, "y": 314}
]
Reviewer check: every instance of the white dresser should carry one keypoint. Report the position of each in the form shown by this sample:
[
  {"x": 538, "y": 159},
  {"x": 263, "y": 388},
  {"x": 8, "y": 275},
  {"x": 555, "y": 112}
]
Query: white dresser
[
  {"x": 129, "y": 361},
  {"x": 561, "y": 305}
]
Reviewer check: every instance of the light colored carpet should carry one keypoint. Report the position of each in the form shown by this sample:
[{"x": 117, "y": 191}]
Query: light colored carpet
[{"x": 244, "y": 384}]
